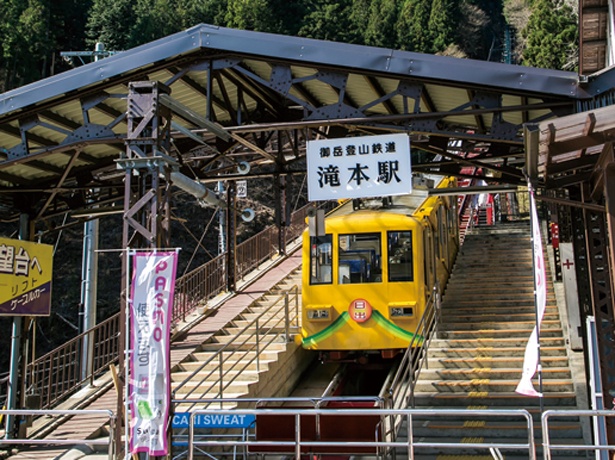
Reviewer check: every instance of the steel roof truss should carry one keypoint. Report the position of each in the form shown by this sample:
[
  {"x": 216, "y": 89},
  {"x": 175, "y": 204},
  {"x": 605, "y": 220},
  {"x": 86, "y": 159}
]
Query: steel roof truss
[{"x": 55, "y": 190}]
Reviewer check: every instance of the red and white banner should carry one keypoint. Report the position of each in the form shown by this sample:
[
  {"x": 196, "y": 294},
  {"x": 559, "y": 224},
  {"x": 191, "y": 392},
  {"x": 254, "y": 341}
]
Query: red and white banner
[
  {"x": 531, "y": 359},
  {"x": 149, "y": 389}
]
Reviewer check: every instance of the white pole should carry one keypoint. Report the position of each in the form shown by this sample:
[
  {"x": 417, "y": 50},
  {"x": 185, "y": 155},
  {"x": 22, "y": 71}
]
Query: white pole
[{"x": 127, "y": 455}]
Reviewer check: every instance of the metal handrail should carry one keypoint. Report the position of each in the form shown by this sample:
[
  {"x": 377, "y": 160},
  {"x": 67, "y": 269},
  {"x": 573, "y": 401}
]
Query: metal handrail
[
  {"x": 416, "y": 353},
  {"x": 278, "y": 317},
  {"x": 108, "y": 414},
  {"x": 404, "y": 382},
  {"x": 58, "y": 373},
  {"x": 410, "y": 444},
  {"x": 546, "y": 443}
]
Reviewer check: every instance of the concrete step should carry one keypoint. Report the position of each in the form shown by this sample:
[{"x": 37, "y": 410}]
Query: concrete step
[
  {"x": 554, "y": 400},
  {"x": 490, "y": 362},
  {"x": 238, "y": 373},
  {"x": 478, "y": 373},
  {"x": 492, "y": 352},
  {"x": 245, "y": 343},
  {"x": 488, "y": 385},
  {"x": 493, "y": 342},
  {"x": 192, "y": 366},
  {"x": 276, "y": 327},
  {"x": 451, "y": 303},
  {"x": 233, "y": 355},
  {"x": 464, "y": 307},
  {"x": 487, "y": 427},
  {"x": 496, "y": 333},
  {"x": 504, "y": 323},
  {"x": 219, "y": 404},
  {"x": 459, "y": 289},
  {"x": 451, "y": 317},
  {"x": 197, "y": 389}
]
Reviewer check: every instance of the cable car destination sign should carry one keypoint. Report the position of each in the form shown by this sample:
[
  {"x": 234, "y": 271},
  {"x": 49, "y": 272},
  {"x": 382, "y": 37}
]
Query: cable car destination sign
[{"x": 359, "y": 167}]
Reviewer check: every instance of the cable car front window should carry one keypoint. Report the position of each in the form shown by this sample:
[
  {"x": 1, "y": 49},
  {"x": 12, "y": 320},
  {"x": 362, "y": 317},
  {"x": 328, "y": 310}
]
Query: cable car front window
[
  {"x": 320, "y": 259},
  {"x": 359, "y": 258},
  {"x": 400, "y": 256}
]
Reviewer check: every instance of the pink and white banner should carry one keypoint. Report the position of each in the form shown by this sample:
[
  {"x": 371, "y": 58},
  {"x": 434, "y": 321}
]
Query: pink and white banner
[
  {"x": 149, "y": 389},
  {"x": 530, "y": 361}
]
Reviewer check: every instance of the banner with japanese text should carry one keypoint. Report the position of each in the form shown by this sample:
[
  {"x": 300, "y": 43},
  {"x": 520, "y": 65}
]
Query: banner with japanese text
[
  {"x": 531, "y": 359},
  {"x": 26, "y": 271},
  {"x": 359, "y": 167},
  {"x": 149, "y": 390}
]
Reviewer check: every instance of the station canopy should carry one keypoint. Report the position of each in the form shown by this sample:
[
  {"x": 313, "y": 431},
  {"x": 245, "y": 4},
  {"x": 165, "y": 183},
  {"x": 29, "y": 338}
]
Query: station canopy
[{"x": 243, "y": 97}]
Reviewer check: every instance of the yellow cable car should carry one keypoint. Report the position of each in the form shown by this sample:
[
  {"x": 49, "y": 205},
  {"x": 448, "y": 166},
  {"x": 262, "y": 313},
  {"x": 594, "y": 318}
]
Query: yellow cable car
[{"x": 366, "y": 281}]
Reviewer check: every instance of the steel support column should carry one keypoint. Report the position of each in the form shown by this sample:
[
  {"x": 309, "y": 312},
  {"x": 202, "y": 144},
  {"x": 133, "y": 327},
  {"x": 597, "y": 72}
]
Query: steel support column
[
  {"x": 146, "y": 190},
  {"x": 602, "y": 303},
  {"x": 231, "y": 238},
  {"x": 281, "y": 205}
]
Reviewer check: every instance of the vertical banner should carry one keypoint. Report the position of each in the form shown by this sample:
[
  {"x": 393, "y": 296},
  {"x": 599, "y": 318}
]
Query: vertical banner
[
  {"x": 532, "y": 349},
  {"x": 149, "y": 390}
]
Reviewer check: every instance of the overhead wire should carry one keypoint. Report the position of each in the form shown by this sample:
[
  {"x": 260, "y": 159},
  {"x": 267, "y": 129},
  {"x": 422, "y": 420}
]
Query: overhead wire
[{"x": 199, "y": 241}]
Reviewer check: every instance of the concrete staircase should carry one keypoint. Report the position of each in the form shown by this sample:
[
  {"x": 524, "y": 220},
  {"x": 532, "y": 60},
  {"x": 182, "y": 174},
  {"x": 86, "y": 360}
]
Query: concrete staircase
[
  {"x": 250, "y": 357},
  {"x": 476, "y": 359}
]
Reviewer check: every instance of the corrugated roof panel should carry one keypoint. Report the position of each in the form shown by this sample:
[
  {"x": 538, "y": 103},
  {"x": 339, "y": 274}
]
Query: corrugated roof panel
[{"x": 362, "y": 91}]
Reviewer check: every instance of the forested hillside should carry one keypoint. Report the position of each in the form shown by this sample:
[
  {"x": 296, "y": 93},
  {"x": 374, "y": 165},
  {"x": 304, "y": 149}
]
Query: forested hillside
[{"x": 539, "y": 33}]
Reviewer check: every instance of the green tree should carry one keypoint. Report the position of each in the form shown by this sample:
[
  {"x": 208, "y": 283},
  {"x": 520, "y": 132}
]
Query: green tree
[
  {"x": 25, "y": 41},
  {"x": 551, "y": 36},
  {"x": 275, "y": 16},
  {"x": 111, "y": 22},
  {"x": 207, "y": 12},
  {"x": 156, "y": 19},
  {"x": 442, "y": 24},
  {"x": 329, "y": 20},
  {"x": 412, "y": 26},
  {"x": 380, "y": 29}
]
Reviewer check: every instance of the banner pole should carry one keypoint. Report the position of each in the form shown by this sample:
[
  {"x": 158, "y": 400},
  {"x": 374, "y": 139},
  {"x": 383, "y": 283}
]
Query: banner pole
[
  {"x": 534, "y": 223},
  {"x": 127, "y": 454}
]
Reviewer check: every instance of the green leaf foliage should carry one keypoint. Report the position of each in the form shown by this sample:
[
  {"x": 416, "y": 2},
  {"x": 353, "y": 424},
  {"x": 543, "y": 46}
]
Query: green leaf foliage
[
  {"x": 551, "y": 36},
  {"x": 34, "y": 32}
]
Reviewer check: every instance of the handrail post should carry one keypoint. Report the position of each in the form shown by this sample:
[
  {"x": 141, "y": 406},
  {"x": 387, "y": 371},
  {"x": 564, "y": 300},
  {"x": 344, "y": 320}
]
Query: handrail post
[
  {"x": 297, "y": 436},
  {"x": 258, "y": 352},
  {"x": 111, "y": 451},
  {"x": 221, "y": 372},
  {"x": 297, "y": 306},
  {"x": 286, "y": 318},
  {"x": 191, "y": 437}
]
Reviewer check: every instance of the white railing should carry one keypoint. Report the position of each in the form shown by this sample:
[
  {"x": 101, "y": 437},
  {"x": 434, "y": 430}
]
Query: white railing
[
  {"x": 304, "y": 441},
  {"x": 600, "y": 449},
  {"x": 107, "y": 416}
]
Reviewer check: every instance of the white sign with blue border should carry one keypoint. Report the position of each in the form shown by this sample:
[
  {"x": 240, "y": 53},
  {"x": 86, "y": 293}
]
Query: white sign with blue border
[{"x": 359, "y": 167}]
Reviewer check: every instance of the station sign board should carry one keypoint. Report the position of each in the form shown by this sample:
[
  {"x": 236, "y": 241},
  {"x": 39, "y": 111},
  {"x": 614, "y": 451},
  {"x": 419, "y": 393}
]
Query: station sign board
[
  {"x": 26, "y": 271},
  {"x": 359, "y": 167}
]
